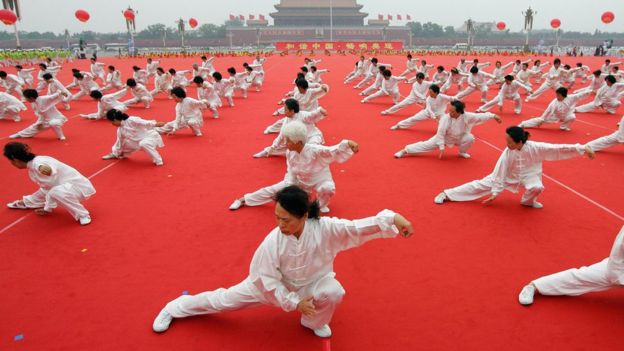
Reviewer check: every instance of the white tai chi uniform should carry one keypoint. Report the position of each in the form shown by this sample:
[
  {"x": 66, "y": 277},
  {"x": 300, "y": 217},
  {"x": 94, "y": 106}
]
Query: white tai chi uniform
[
  {"x": 151, "y": 69},
  {"x": 162, "y": 84},
  {"x": 113, "y": 80},
  {"x": 140, "y": 94},
  {"x": 551, "y": 82},
  {"x": 371, "y": 72},
  {"x": 207, "y": 94},
  {"x": 557, "y": 111},
  {"x": 26, "y": 75},
  {"x": 188, "y": 114},
  {"x": 508, "y": 92},
  {"x": 308, "y": 101},
  {"x": 225, "y": 89},
  {"x": 140, "y": 76},
  {"x": 524, "y": 76},
  {"x": 65, "y": 187},
  {"x": 410, "y": 66},
  {"x": 53, "y": 71},
  {"x": 594, "y": 85},
  {"x": 606, "y": 274},
  {"x": 136, "y": 133},
  {"x": 604, "y": 142},
  {"x": 209, "y": 65},
  {"x": 13, "y": 84},
  {"x": 54, "y": 86},
  {"x": 375, "y": 86},
  {"x": 440, "y": 78},
  {"x": 255, "y": 79},
  {"x": 357, "y": 72},
  {"x": 389, "y": 87},
  {"x": 97, "y": 70},
  {"x": 457, "y": 79},
  {"x": 179, "y": 79},
  {"x": 434, "y": 108},
  {"x": 315, "y": 77},
  {"x": 286, "y": 270},
  {"x": 516, "y": 168},
  {"x": 499, "y": 74},
  {"x": 537, "y": 70},
  {"x": 424, "y": 69},
  {"x": 47, "y": 117},
  {"x": 309, "y": 119},
  {"x": 452, "y": 131},
  {"x": 10, "y": 106},
  {"x": 87, "y": 85},
  {"x": 308, "y": 169},
  {"x": 607, "y": 98},
  {"x": 476, "y": 81},
  {"x": 107, "y": 103},
  {"x": 518, "y": 66},
  {"x": 418, "y": 94}
]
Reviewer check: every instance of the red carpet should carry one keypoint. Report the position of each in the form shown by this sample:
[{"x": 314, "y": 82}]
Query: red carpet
[{"x": 157, "y": 232}]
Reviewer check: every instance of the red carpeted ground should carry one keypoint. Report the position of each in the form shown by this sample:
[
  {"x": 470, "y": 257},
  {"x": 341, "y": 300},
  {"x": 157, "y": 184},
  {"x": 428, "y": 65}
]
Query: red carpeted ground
[{"x": 157, "y": 232}]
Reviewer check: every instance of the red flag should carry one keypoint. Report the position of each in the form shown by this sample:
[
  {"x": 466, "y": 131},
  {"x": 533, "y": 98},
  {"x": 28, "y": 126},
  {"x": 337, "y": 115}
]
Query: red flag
[
  {"x": 380, "y": 17},
  {"x": 232, "y": 17},
  {"x": 390, "y": 17},
  {"x": 252, "y": 17},
  {"x": 399, "y": 17},
  {"x": 241, "y": 17},
  {"x": 409, "y": 18},
  {"x": 262, "y": 17}
]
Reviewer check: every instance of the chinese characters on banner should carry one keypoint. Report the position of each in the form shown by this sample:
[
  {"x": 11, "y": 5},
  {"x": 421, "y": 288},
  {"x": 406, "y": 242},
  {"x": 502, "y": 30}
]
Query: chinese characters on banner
[{"x": 347, "y": 45}]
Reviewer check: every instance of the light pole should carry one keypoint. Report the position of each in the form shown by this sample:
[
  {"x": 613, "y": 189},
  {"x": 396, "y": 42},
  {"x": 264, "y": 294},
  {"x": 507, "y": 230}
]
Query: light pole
[
  {"x": 331, "y": 21},
  {"x": 230, "y": 35},
  {"x": 258, "y": 33}
]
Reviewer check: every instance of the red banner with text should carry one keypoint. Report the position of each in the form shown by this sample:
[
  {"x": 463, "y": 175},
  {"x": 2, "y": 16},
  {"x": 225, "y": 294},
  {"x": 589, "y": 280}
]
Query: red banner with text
[{"x": 343, "y": 45}]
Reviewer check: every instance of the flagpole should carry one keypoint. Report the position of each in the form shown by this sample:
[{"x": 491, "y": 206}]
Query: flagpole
[{"x": 331, "y": 21}]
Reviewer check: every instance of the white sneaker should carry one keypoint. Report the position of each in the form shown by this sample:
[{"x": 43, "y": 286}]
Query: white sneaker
[
  {"x": 526, "y": 295},
  {"x": 440, "y": 198},
  {"x": 162, "y": 321},
  {"x": 260, "y": 154},
  {"x": 14, "y": 136},
  {"x": 323, "y": 332},
  {"x": 535, "y": 204},
  {"x": 394, "y": 127},
  {"x": 62, "y": 138},
  {"x": 565, "y": 129},
  {"x": 84, "y": 220},
  {"x": 199, "y": 134},
  {"x": 17, "y": 119},
  {"x": 324, "y": 209},
  {"x": 363, "y": 101},
  {"x": 109, "y": 157},
  {"x": 400, "y": 154},
  {"x": 464, "y": 155},
  {"x": 236, "y": 205},
  {"x": 158, "y": 163},
  {"x": 384, "y": 112}
]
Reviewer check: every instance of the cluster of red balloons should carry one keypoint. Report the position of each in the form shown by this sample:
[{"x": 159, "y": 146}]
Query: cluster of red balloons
[{"x": 555, "y": 23}]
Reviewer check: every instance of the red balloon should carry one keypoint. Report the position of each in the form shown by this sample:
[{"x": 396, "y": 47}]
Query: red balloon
[
  {"x": 607, "y": 17},
  {"x": 129, "y": 14},
  {"x": 82, "y": 15},
  {"x": 8, "y": 17},
  {"x": 501, "y": 25},
  {"x": 555, "y": 23},
  {"x": 193, "y": 22}
]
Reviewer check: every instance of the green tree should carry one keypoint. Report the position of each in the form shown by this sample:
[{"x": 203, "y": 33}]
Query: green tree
[{"x": 416, "y": 27}]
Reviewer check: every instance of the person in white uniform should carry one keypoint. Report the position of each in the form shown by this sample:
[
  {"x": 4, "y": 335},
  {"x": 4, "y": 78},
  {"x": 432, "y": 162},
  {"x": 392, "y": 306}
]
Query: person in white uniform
[
  {"x": 607, "y": 97},
  {"x": 12, "y": 83},
  {"x": 561, "y": 110},
  {"x": 162, "y": 83},
  {"x": 454, "y": 128},
  {"x": 208, "y": 95},
  {"x": 188, "y": 114},
  {"x": 139, "y": 75},
  {"x": 113, "y": 79},
  {"x": 106, "y": 103},
  {"x": 389, "y": 87},
  {"x": 604, "y": 275},
  {"x": 520, "y": 164},
  {"x": 47, "y": 115},
  {"x": 551, "y": 81},
  {"x": 11, "y": 107},
  {"x": 26, "y": 75},
  {"x": 86, "y": 84},
  {"x": 595, "y": 83},
  {"x": 59, "y": 184},
  {"x": 133, "y": 134},
  {"x": 307, "y": 166},
  {"x": 477, "y": 81},
  {"x": 150, "y": 67},
  {"x": 54, "y": 85},
  {"x": 97, "y": 70},
  {"x": 418, "y": 94},
  {"x": 293, "y": 268},
  {"x": 140, "y": 94},
  {"x": 435, "y": 106},
  {"x": 509, "y": 91}
]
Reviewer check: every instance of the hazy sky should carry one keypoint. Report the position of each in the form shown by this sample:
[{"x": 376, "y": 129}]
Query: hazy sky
[{"x": 56, "y": 16}]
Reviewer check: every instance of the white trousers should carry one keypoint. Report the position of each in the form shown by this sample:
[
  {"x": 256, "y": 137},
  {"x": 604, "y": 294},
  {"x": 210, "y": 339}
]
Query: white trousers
[
  {"x": 275, "y": 127},
  {"x": 394, "y": 94},
  {"x": 371, "y": 89},
  {"x": 64, "y": 195},
  {"x": 324, "y": 192},
  {"x": 327, "y": 293},
  {"x": 148, "y": 144},
  {"x": 11, "y": 112},
  {"x": 609, "y": 105},
  {"x": 604, "y": 142},
  {"x": 146, "y": 100},
  {"x": 366, "y": 79},
  {"x": 498, "y": 100},
  {"x": 420, "y": 116},
  {"x": 545, "y": 86},
  {"x": 469, "y": 90},
  {"x": 170, "y": 126},
  {"x": 538, "y": 121},
  {"x": 479, "y": 188},
  {"x": 166, "y": 90},
  {"x": 409, "y": 100},
  {"x": 430, "y": 145},
  {"x": 576, "y": 281},
  {"x": 36, "y": 128}
]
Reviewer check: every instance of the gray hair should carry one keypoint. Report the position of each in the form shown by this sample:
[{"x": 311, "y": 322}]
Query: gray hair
[{"x": 295, "y": 131}]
